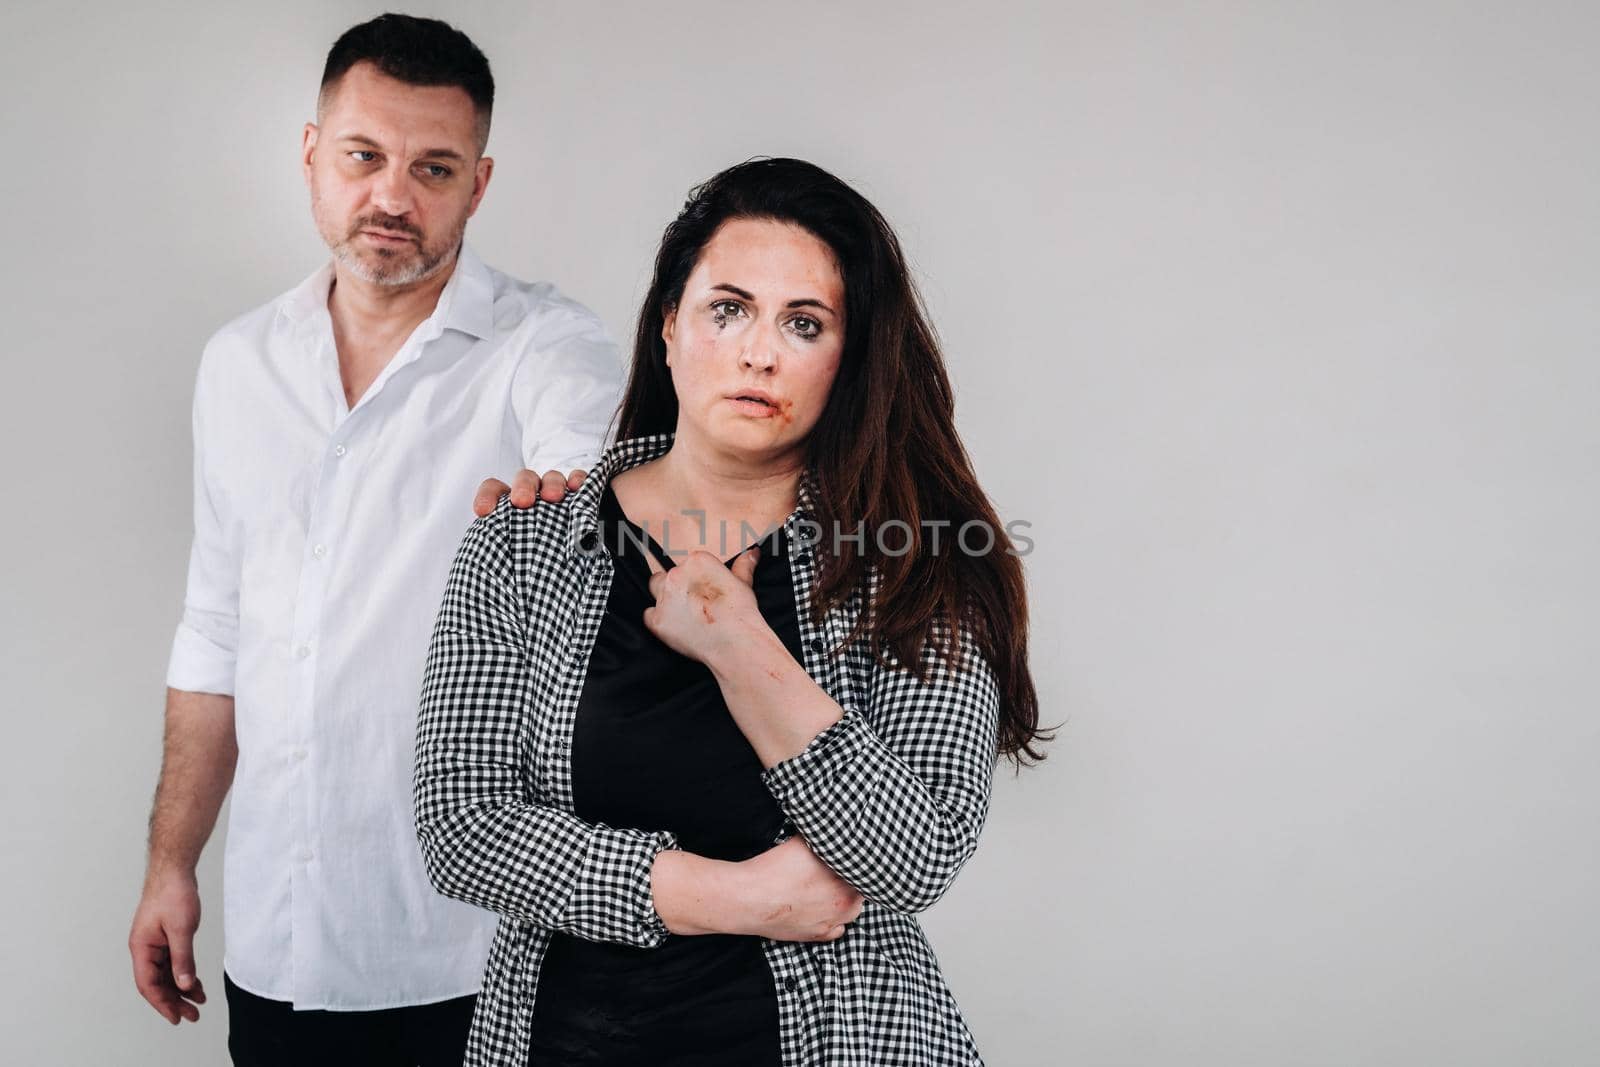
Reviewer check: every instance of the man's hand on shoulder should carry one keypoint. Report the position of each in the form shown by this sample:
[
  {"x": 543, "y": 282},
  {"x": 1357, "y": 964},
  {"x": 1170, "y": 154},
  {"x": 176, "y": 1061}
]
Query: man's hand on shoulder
[{"x": 526, "y": 488}]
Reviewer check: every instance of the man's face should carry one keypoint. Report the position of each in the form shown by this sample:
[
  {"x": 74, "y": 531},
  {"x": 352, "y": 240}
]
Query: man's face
[{"x": 394, "y": 173}]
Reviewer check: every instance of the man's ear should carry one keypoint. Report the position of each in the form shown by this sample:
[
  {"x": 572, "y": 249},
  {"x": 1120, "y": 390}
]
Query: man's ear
[
  {"x": 308, "y": 149},
  {"x": 481, "y": 173}
]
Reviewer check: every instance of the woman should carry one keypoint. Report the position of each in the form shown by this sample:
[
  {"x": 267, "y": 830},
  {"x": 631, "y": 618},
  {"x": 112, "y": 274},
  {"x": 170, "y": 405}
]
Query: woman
[{"x": 707, "y": 788}]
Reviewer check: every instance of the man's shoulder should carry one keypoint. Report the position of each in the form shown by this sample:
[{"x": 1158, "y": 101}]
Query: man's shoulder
[
  {"x": 252, "y": 329},
  {"x": 535, "y": 308}
]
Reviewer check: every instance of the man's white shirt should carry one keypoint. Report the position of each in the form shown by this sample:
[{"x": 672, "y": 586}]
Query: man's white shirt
[{"x": 323, "y": 537}]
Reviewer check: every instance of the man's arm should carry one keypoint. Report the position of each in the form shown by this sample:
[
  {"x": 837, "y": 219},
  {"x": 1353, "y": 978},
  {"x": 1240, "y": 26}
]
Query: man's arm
[
  {"x": 199, "y": 750},
  {"x": 565, "y": 391},
  {"x": 197, "y": 761}
]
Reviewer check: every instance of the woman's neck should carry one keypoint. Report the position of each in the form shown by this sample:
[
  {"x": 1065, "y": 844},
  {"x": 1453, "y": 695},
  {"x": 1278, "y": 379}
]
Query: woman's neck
[{"x": 703, "y": 498}]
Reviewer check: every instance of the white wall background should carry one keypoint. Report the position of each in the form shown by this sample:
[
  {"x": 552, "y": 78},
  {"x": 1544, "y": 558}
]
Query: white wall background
[{"x": 1277, "y": 320}]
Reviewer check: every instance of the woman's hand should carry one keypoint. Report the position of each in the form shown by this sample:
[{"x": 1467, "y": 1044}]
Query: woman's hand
[
  {"x": 703, "y": 608},
  {"x": 797, "y": 897},
  {"x": 708, "y": 612},
  {"x": 785, "y": 894}
]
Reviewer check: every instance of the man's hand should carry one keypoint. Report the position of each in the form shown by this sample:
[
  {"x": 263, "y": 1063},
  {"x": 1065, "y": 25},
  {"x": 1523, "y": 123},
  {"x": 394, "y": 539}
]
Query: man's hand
[
  {"x": 525, "y": 488},
  {"x": 197, "y": 761},
  {"x": 162, "y": 946},
  {"x": 785, "y": 894}
]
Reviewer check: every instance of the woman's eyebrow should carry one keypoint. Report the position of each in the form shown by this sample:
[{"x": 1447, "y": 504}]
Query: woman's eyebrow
[{"x": 804, "y": 302}]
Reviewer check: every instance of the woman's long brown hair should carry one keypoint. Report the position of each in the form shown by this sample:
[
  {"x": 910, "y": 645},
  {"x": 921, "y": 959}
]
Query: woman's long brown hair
[{"x": 885, "y": 447}]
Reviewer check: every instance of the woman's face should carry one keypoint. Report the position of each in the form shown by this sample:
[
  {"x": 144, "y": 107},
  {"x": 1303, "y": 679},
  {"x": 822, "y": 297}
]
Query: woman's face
[{"x": 755, "y": 341}]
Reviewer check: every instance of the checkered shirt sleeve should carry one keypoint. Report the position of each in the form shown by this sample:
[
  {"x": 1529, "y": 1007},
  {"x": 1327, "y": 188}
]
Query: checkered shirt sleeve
[
  {"x": 485, "y": 839},
  {"x": 894, "y": 795}
]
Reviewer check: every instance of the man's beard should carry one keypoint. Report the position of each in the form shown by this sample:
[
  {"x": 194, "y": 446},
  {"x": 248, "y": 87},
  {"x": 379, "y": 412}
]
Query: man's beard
[{"x": 394, "y": 266}]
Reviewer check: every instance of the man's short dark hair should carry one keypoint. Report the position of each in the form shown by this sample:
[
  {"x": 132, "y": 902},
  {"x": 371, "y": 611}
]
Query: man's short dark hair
[{"x": 416, "y": 51}]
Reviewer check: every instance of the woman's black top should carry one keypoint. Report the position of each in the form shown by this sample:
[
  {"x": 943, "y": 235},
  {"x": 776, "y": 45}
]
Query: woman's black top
[{"x": 655, "y": 748}]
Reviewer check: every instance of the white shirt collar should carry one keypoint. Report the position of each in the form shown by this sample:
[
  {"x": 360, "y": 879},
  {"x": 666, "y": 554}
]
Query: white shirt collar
[{"x": 466, "y": 302}]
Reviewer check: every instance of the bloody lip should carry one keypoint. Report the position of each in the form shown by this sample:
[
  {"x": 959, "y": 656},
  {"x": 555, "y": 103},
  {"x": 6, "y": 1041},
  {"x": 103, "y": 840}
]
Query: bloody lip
[{"x": 753, "y": 408}]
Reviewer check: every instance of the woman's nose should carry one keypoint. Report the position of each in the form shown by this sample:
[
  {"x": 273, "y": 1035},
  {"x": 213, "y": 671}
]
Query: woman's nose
[{"x": 761, "y": 353}]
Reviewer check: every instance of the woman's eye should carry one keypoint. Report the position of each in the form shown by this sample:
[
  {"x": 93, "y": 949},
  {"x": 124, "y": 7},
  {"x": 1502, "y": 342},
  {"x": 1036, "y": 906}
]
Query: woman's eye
[
  {"x": 806, "y": 326},
  {"x": 723, "y": 310}
]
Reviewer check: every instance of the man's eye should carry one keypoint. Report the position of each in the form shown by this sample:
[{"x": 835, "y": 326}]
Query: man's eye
[
  {"x": 436, "y": 170},
  {"x": 806, "y": 326},
  {"x": 361, "y": 155}
]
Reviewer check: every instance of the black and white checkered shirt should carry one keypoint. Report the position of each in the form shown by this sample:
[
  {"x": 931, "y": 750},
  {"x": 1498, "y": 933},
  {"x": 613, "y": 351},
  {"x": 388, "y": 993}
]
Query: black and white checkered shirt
[{"x": 892, "y": 796}]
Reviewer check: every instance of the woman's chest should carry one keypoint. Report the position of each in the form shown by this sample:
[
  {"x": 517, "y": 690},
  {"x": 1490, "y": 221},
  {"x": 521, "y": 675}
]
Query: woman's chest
[{"x": 597, "y": 673}]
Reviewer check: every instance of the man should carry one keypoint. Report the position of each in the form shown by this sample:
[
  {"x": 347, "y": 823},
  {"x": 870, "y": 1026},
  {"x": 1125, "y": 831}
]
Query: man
[{"x": 337, "y": 432}]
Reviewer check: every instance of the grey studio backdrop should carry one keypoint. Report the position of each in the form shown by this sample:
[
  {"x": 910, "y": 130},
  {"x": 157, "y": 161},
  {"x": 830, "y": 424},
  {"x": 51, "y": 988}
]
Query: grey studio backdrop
[{"x": 1276, "y": 321}]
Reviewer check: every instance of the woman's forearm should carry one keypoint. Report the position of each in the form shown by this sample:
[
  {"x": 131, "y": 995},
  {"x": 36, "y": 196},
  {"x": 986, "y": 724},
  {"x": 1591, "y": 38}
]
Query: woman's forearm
[
  {"x": 694, "y": 894},
  {"x": 786, "y": 894},
  {"x": 773, "y": 701},
  {"x": 889, "y": 801}
]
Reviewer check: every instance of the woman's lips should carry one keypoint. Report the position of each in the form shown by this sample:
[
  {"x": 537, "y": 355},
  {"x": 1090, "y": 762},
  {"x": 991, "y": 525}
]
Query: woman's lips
[{"x": 753, "y": 408}]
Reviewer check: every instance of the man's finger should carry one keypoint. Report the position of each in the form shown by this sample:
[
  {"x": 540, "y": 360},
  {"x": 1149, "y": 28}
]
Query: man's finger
[
  {"x": 489, "y": 494},
  {"x": 524, "y": 489},
  {"x": 576, "y": 478},
  {"x": 154, "y": 981},
  {"x": 553, "y": 487},
  {"x": 181, "y": 942}
]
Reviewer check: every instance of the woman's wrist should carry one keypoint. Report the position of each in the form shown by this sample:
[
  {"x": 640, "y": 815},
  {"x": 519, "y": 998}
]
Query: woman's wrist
[
  {"x": 750, "y": 651},
  {"x": 694, "y": 894}
]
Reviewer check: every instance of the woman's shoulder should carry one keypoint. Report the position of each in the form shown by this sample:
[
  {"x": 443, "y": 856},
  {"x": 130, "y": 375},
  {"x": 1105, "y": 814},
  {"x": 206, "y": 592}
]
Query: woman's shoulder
[
  {"x": 543, "y": 528},
  {"x": 522, "y": 544}
]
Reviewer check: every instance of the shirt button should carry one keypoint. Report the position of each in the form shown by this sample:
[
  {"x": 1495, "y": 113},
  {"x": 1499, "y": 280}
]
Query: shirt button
[
  {"x": 305, "y": 856},
  {"x": 816, "y": 645},
  {"x": 789, "y": 985},
  {"x": 319, "y": 551},
  {"x": 302, "y": 652},
  {"x": 339, "y": 450},
  {"x": 298, "y": 754}
]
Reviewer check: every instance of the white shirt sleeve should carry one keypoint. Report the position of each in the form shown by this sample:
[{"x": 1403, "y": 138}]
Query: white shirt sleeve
[
  {"x": 566, "y": 389},
  {"x": 205, "y": 647}
]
